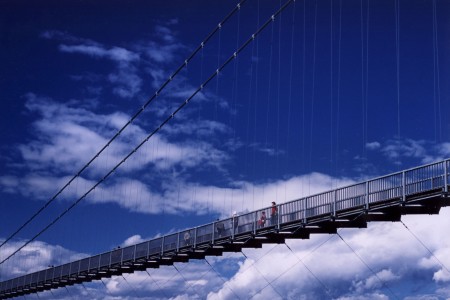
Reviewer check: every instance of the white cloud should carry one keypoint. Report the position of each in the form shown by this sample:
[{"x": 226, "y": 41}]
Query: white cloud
[
  {"x": 133, "y": 240},
  {"x": 444, "y": 150},
  {"x": 162, "y": 53},
  {"x": 125, "y": 78},
  {"x": 126, "y": 81},
  {"x": 396, "y": 149},
  {"x": 373, "y": 145},
  {"x": 117, "y": 54},
  {"x": 34, "y": 257},
  {"x": 66, "y": 137},
  {"x": 401, "y": 149},
  {"x": 165, "y": 33},
  {"x": 388, "y": 248},
  {"x": 377, "y": 280}
]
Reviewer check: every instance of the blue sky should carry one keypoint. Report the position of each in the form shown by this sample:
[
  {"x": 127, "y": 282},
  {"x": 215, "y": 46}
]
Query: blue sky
[{"x": 326, "y": 96}]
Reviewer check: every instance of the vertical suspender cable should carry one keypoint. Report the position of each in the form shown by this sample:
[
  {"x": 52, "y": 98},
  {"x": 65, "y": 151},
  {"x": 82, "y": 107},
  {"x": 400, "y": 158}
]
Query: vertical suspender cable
[
  {"x": 436, "y": 78},
  {"x": 303, "y": 91},
  {"x": 331, "y": 88},
  {"x": 397, "y": 55},
  {"x": 256, "y": 98},
  {"x": 290, "y": 95},
  {"x": 266, "y": 144},
  {"x": 312, "y": 96},
  {"x": 338, "y": 89},
  {"x": 366, "y": 96},
  {"x": 277, "y": 135}
]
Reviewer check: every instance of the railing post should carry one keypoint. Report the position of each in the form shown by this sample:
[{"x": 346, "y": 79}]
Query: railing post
[
  {"x": 304, "y": 209},
  {"x": 403, "y": 187},
  {"x": 446, "y": 175},
  {"x": 278, "y": 216},
  {"x": 195, "y": 237},
  {"x": 213, "y": 232},
  {"x": 162, "y": 246},
  {"x": 232, "y": 227},
  {"x": 334, "y": 203},
  {"x": 178, "y": 242},
  {"x": 367, "y": 195},
  {"x": 255, "y": 223}
]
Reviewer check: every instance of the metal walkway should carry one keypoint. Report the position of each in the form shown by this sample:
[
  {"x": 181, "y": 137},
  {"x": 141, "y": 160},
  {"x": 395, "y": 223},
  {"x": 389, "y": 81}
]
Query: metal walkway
[{"x": 421, "y": 190}]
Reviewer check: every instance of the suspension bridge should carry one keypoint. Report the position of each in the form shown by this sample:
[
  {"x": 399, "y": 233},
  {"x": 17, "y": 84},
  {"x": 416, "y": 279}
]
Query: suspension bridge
[{"x": 420, "y": 190}]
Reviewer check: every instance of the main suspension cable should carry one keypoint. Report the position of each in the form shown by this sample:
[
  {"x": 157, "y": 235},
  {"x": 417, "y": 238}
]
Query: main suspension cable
[
  {"x": 131, "y": 120},
  {"x": 157, "y": 129}
]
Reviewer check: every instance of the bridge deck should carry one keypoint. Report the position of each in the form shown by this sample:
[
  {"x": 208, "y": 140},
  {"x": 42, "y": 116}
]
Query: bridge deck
[{"x": 421, "y": 190}]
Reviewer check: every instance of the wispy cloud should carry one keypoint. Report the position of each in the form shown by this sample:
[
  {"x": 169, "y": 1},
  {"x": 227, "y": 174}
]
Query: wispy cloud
[
  {"x": 401, "y": 149},
  {"x": 373, "y": 145},
  {"x": 116, "y": 54},
  {"x": 124, "y": 78}
]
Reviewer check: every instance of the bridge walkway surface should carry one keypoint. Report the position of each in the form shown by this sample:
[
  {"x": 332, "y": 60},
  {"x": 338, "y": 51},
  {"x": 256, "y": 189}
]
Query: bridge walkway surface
[{"x": 420, "y": 190}]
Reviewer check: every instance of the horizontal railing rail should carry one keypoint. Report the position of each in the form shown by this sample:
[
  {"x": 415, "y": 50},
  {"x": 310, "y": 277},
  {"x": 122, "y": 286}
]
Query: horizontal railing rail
[{"x": 395, "y": 186}]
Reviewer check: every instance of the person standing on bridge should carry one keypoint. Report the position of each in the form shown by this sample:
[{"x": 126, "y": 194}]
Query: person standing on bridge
[
  {"x": 262, "y": 220},
  {"x": 187, "y": 238},
  {"x": 273, "y": 214},
  {"x": 220, "y": 227}
]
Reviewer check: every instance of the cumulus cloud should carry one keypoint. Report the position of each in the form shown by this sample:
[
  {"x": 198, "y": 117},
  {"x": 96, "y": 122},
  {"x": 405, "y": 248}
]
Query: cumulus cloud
[
  {"x": 377, "y": 280},
  {"x": 324, "y": 267}
]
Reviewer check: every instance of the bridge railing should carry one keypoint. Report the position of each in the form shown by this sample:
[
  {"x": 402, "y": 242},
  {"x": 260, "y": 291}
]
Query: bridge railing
[{"x": 396, "y": 186}]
